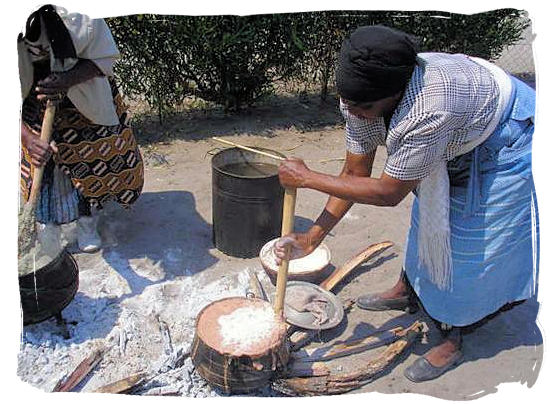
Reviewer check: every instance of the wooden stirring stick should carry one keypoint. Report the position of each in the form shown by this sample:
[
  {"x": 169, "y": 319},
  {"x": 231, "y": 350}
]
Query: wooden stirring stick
[
  {"x": 27, "y": 222},
  {"x": 250, "y": 149},
  {"x": 289, "y": 204}
]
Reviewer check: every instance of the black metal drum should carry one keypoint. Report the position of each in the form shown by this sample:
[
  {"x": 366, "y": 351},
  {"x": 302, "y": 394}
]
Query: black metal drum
[{"x": 247, "y": 201}]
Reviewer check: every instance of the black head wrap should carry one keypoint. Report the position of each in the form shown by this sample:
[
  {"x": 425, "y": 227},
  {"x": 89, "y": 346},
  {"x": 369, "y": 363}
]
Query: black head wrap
[
  {"x": 58, "y": 35},
  {"x": 375, "y": 62}
]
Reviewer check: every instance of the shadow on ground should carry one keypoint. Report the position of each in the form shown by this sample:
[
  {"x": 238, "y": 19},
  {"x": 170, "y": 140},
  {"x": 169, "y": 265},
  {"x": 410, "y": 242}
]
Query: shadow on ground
[{"x": 165, "y": 229}]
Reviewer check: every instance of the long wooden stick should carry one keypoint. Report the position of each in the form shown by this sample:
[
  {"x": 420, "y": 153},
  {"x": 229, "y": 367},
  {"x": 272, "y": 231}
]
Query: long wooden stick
[
  {"x": 338, "y": 275},
  {"x": 289, "y": 204},
  {"x": 304, "y": 369},
  {"x": 123, "y": 385},
  {"x": 349, "y": 347},
  {"x": 27, "y": 220},
  {"x": 342, "y": 383},
  {"x": 250, "y": 149},
  {"x": 46, "y": 136},
  {"x": 255, "y": 288},
  {"x": 81, "y": 371}
]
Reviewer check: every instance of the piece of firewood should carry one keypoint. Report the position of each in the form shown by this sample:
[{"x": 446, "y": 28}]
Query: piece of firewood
[
  {"x": 165, "y": 335},
  {"x": 303, "y": 369},
  {"x": 163, "y": 391},
  {"x": 342, "y": 383},
  {"x": 176, "y": 358},
  {"x": 370, "y": 252},
  {"x": 255, "y": 288},
  {"x": 123, "y": 385},
  {"x": 80, "y": 372},
  {"x": 348, "y": 347}
]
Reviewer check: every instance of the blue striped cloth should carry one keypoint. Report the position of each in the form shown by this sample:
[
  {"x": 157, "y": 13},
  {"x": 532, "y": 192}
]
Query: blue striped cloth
[
  {"x": 59, "y": 199},
  {"x": 494, "y": 224}
]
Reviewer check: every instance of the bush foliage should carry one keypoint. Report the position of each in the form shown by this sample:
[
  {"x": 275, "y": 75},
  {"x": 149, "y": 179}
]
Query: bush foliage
[{"x": 233, "y": 61}]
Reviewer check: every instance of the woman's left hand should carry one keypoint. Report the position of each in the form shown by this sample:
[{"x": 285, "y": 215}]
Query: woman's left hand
[
  {"x": 55, "y": 86},
  {"x": 293, "y": 173}
]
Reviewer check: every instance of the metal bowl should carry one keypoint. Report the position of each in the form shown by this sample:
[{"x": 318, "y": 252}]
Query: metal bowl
[
  {"x": 335, "y": 309},
  {"x": 315, "y": 274}
]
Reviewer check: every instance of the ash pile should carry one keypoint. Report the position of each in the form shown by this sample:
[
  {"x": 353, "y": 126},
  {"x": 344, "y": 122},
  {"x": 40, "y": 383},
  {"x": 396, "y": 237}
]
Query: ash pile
[{"x": 142, "y": 339}]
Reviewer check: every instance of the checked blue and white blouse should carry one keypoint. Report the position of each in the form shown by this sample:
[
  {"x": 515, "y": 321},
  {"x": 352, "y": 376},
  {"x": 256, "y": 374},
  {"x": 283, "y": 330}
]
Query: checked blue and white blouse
[{"x": 449, "y": 101}]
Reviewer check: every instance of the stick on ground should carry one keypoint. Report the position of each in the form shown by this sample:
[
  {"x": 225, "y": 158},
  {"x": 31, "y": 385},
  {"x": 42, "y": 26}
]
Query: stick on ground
[
  {"x": 123, "y": 385},
  {"x": 82, "y": 370},
  {"x": 342, "y": 383}
]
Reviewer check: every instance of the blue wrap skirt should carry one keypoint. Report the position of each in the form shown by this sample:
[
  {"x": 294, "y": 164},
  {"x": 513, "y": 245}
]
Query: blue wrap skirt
[{"x": 493, "y": 220}]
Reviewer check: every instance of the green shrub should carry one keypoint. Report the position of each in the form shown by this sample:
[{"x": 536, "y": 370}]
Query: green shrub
[
  {"x": 150, "y": 66},
  {"x": 233, "y": 61},
  {"x": 484, "y": 35},
  {"x": 229, "y": 60}
]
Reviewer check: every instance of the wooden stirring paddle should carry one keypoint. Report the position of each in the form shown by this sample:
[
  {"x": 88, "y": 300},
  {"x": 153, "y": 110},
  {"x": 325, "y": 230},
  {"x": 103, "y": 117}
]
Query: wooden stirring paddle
[
  {"x": 289, "y": 204},
  {"x": 27, "y": 219}
]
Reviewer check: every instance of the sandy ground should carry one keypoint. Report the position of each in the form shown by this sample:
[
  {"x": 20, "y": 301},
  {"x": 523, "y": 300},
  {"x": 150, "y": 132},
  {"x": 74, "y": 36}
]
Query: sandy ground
[{"x": 158, "y": 268}]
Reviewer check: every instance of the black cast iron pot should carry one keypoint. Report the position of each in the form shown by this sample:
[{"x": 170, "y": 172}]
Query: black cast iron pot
[{"x": 46, "y": 292}]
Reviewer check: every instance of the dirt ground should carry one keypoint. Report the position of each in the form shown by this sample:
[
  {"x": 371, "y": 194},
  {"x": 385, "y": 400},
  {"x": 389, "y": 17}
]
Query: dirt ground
[{"x": 158, "y": 264}]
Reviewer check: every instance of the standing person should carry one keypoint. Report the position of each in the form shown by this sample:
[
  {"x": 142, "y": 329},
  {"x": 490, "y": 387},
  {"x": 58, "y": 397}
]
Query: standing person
[
  {"x": 458, "y": 134},
  {"x": 68, "y": 59}
]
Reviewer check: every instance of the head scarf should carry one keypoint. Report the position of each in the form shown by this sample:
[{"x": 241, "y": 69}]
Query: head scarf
[
  {"x": 374, "y": 63},
  {"x": 46, "y": 19}
]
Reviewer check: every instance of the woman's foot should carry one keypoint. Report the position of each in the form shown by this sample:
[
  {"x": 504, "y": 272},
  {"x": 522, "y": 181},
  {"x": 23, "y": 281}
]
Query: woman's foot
[
  {"x": 396, "y": 298},
  {"x": 437, "y": 360},
  {"x": 88, "y": 237}
]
